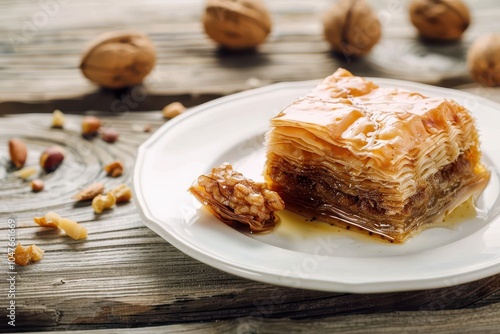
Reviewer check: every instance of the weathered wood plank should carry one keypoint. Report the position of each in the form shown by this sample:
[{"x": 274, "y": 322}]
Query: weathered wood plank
[
  {"x": 124, "y": 275},
  {"x": 42, "y": 66},
  {"x": 483, "y": 320}
]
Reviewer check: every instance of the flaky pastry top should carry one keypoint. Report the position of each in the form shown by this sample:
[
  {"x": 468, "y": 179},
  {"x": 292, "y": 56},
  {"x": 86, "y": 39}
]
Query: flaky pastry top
[{"x": 375, "y": 133}]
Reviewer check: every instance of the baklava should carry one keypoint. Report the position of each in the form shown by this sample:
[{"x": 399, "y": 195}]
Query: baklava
[{"x": 387, "y": 161}]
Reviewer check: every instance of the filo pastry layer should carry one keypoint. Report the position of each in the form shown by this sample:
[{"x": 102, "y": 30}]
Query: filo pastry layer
[{"x": 384, "y": 160}]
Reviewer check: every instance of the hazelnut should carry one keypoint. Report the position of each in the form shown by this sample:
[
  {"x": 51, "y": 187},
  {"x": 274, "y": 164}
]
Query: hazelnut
[
  {"x": 352, "y": 28},
  {"x": 440, "y": 20},
  {"x": 118, "y": 59},
  {"x": 173, "y": 109},
  {"x": 123, "y": 193},
  {"x": 18, "y": 152},
  {"x": 109, "y": 135},
  {"x": 57, "y": 119},
  {"x": 483, "y": 59},
  {"x": 51, "y": 158},
  {"x": 237, "y": 24},
  {"x": 37, "y": 185},
  {"x": 90, "y": 126}
]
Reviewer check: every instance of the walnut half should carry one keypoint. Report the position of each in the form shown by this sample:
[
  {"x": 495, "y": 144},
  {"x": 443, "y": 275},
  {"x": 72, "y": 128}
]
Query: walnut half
[{"x": 230, "y": 196}]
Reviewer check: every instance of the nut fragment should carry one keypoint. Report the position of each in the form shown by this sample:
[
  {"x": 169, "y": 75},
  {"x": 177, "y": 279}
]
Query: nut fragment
[
  {"x": 90, "y": 126},
  {"x": 58, "y": 119},
  {"x": 147, "y": 128},
  {"x": 90, "y": 192},
  {"x": 440, "y": 20},
  {"x": 26, "y": 255},
  {"x": 37, "y": 185},
  {"x": 123, "y": 193},
  {"x": 114, "y": 169},
  {"x": 52, "y": 158},
  {"x": 352, "y": 27},
  {"x": 26, "y": 172},
  {"x": 72, "y": 228},
  {"x": 103, "y": 202},
  {"x": 232, "y": 197},
  {"x": 119, "y": 59},
  {"x": 51, "y": 219},
  {"x": 483, "y": 59},
  {"x": 18, "y": 152},
  {"x": 109, "y": 135},
  {"x": 237, "y": 24},
  {"x": 173, "y": 109}
]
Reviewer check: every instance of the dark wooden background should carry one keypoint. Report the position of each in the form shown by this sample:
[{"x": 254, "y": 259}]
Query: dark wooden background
[{"x": 124, "y": 275}]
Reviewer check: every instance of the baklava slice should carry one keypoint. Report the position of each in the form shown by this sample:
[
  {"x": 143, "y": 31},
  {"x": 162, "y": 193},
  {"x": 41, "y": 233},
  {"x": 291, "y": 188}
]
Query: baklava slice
[{"x": 387, "y": 161}]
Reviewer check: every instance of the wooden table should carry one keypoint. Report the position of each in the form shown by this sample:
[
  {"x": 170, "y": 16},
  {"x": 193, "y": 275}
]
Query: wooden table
[{"x": 125, "y": 276}]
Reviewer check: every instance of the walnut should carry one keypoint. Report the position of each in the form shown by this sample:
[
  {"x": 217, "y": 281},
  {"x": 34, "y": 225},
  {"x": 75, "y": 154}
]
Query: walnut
[
  {"x": 103, "y": 202},
  {"x": 237, "y": 24},
  {"x": 123, "y": 193},
  {"x": 118, "y": 59},
  {"x": 352, "y": 27},
  {"x": 232, "y": 197},
  {"x": 26, "y": 255},
  {"x": 483, "y": 59},
  {"x": 440, "y": 20}
]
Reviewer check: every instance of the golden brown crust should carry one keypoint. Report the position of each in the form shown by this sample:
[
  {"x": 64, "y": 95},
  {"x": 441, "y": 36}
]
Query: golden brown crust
[{"x": 379, "y": 152}]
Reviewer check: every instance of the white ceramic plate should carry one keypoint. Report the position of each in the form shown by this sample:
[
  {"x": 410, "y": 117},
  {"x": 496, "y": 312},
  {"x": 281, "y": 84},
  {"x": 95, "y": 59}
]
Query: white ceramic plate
[{"x": 314, "y": 255}]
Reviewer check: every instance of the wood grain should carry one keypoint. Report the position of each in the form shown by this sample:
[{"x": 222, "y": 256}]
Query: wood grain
[
  {"x": 42, "y": 65},
  {"x": 124, "y": 275},
  {"x": 483, "y": 320}
]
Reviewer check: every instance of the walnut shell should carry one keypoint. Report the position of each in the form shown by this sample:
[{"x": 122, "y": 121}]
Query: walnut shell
[
  {"x": 440, "y": 20},
  {"x": 483, "y": 59},
  {"x": 237, "y": 24},
  {"x": 352, "y": 27},
  {"x": 118, "y": 59}
]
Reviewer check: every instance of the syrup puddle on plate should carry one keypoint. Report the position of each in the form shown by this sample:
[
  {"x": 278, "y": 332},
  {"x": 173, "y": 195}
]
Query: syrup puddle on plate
[{"x": 298, "y": 233}]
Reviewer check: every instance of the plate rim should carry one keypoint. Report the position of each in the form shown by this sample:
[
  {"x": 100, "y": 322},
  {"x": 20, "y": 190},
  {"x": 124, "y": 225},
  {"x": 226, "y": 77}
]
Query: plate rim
[{"x": 154, "y": 223}]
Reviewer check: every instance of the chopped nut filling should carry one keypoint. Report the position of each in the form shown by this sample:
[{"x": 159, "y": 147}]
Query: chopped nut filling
[{"x": 230, "y": 196}]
